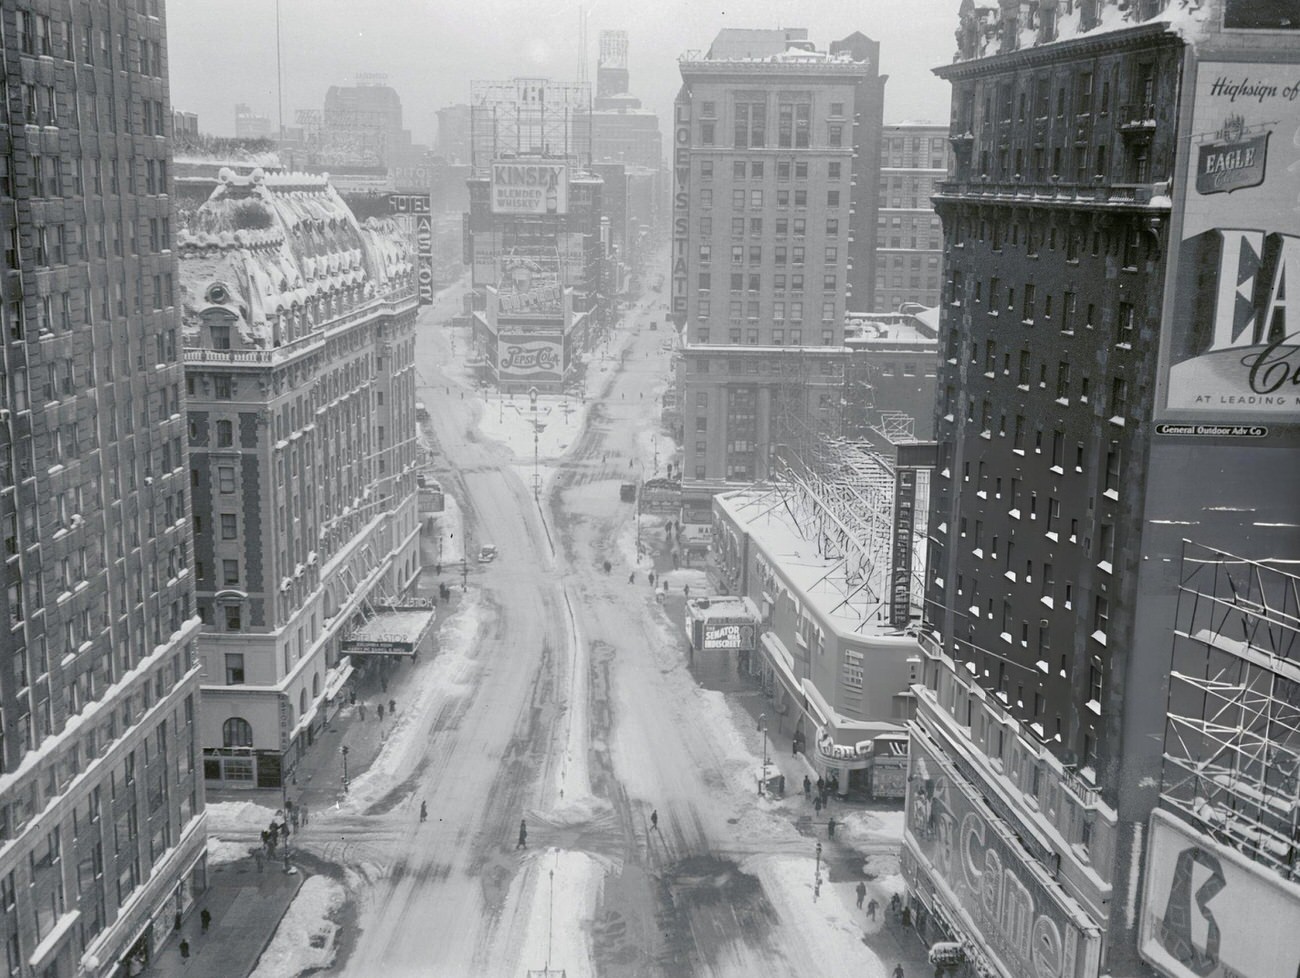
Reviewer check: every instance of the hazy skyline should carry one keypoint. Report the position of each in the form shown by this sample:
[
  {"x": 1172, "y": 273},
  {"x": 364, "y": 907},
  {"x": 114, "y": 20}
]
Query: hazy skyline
[{"x": 221, "y": 54}]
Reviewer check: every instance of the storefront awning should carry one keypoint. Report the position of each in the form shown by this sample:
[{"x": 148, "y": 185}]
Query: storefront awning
[{"x": 395, "y": 630}]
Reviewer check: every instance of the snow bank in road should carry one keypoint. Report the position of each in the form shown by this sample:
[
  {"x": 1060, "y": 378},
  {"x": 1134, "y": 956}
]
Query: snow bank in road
[
  {"x": 566, "y": 889},
  {"x": 304, "y": 941},
  {"x": 221, "y": 851},
  {"x": 862, "y": 827},
  {"x": 450, "y": 674},
  {"x": 450, "y": 527}
]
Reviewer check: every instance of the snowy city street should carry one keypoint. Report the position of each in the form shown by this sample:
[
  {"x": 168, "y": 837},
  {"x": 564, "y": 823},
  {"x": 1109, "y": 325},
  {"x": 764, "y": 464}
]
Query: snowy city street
[{"x": 560, "y": 694}]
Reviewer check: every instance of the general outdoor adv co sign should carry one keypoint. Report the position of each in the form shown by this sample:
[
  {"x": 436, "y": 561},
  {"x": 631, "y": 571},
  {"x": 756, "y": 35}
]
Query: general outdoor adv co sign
[
  {"x": 524, "y": 187},
  {"x": 1231, "y": 346}
]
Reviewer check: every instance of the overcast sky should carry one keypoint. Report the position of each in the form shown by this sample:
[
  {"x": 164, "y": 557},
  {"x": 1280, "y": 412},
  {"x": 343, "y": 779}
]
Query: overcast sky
[{"x": 223, "y": 53}]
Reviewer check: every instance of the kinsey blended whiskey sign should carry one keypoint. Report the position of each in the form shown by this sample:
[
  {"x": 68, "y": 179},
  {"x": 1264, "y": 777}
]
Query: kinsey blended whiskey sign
[
  {"x": 1231, "y": 345},
  {"x": 529, "y": 187}
]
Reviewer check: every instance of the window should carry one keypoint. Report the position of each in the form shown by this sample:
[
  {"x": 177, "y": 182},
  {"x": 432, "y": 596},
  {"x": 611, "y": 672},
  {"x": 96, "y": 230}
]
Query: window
[
  {"x": 230, "y": 572},
  {"x": 835, "y": 135},
  {"x": 833, "y": 171},
  {"x": 1118, "y": 397},
  {"x": 236, "y": 732},
  {"x": 225, "y": 434},
  {"x": 832, "y": 198},
  {"x": 234, "y": 677},
  {"x": 706, "y": 133},
  {"x": 225, "y": 478}
]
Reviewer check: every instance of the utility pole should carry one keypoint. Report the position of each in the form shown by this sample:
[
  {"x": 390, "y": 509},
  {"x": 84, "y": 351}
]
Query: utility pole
[{"x": 464, "y": 565}]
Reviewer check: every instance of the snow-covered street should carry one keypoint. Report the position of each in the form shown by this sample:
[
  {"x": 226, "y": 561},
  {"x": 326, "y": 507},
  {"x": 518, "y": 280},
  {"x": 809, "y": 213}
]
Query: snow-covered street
[{"x": 560, "y": 695}]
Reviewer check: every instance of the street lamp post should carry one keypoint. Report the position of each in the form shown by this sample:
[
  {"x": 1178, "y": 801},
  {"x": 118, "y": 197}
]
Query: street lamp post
[
  {"x": 762, "y": 725},
  {"x": 537, "y": 482},
  {"x": 344, "y": 751},
  {"x": 817, "y": 877}
]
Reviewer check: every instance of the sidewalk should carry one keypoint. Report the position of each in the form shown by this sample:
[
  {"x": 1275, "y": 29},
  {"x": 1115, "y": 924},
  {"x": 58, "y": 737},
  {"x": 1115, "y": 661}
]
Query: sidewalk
[{"x": 246, "y": 908}]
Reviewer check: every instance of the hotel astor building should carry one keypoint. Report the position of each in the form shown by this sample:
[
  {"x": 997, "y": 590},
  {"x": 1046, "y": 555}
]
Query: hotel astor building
[{"x": 1107, "y": 719}]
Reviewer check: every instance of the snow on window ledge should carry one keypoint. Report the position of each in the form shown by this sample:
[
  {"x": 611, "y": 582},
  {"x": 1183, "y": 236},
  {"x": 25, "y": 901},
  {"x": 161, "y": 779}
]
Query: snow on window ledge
[
  {"x": 1094, "y": 706},
  {"x": 1099, "y": 636},
  {"x": 1047, "y": 600}
]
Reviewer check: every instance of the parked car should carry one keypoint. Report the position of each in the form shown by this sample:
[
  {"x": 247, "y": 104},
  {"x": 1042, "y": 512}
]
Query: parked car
[
  {"x": 487, "y": 553},
  {"x": 654, "y": 325},
  {"x": 627, "y": 492}
]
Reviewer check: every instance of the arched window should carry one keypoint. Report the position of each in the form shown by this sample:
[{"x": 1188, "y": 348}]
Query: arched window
[
  {"x": 315, "y": 685},
  {"x": 236, "y": 732},
  {"x": 302, "y": 702}
]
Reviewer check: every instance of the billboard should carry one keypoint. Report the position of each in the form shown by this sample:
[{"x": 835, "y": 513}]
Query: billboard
[
  {"x": 1230, "y": 355},
  {"x": 529, "y": 358},
  {"x": 1024, "y": 919},
  {"x": 681, "y": 208},
  {"x": 530, "y": 286},
  {"x": 1206, "y": 907},
  {"x": 530, "y": 187}
]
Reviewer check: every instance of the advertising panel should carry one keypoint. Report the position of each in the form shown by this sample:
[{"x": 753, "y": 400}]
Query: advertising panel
[
  {"x": 731, "y": 635},
  {"x": 530, "y": 286},
  {"x": 1024, "y": 920},
  {"x": 1206, "y": 908},
  {"x": 424, "y": 256},
  {"x": 1230, "y": 355},
  {"x": 900, "y": 573},
  {"x": 530, "y": 187},
  {"x": 529, "y": 358}
]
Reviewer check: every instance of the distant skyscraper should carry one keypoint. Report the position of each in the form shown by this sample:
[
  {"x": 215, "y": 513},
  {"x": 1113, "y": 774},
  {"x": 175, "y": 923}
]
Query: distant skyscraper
[
  {"x": 101, "y": 807},
  {"x": 611, "y": 69},
  {"x": 251, "y": 125},
  {"x": 452, "y": 142},
  {"x": 775, "y": 157},
  {"x": 365, "y": 120}
]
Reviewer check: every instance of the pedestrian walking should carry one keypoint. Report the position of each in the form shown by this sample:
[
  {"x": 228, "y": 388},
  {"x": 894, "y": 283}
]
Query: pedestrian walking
[
  {"x": 631, "y": 578},
  {"x": 352, "y": 697},
  {"x": 205, "y": 919},
  {"x": 654, "y": 820},
  {"x": 871, "y": 908},
  {"x": 862, "y": 894},
  {"x": 898, "y": 972},
  {"x": 807, "y": 788},
  {"x": 302, "y": 811},
  {"x": 293, "y": 818},
  {"x": 287, "y": 867},
  {"x": 362, "y": 710},
  {"x": 893, "y": 904},
  {"x": 817, "y": 804},
  {"x": 652, "y": 578},
  {"x": 424, "y": 810},
  {"x": 907, "y": 916},
  {"x": 794, "y": 749},
  {"x": 821, "y": 787},
  {"x": 392, "y": 707},
  {"x": 830, "y": 827},
  {"x": 686, "y": 590},
  {"x": 380, "y": 710},
  {"x": 185, "y": 950},
  {"x": 523, "y": 835}
]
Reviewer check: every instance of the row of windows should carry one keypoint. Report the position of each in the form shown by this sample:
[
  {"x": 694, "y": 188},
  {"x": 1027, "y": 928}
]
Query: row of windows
[
  {"x": 756, "y": 169},
  {"x": 783, "y": 226},
  {"x": 753, "y": 282},
  {"x": 40, "y": 36},
  {"x": 738, "y": 309},
  {"x": 750, "y": 123},
  {"x": 47, "y": 177},
  {"x": 740, "y": 198},
  {"x": 781, "y": 254}
]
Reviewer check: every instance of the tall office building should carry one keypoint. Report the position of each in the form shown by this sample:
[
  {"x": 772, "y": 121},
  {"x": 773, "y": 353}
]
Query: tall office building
[
  {"x": 1114, "y": 500},
  {"x": 302, "y": 438},
  {"x": 101, "y": 809},
  {"x": 252, "y": 125},
  {"x": 909, "y": 236},
  {"x": 776, "y": 147}
]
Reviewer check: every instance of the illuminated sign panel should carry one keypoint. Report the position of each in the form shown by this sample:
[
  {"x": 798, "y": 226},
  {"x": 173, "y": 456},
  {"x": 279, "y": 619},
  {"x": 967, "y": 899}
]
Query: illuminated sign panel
[
  {"x": 681, "y": 209},
  {"x": 1230, "y": 347},
  {"x": 729, "y": 635},
  {"x": 522, "y": 187},
  {"x": 973, "y": 858},
  {"x": 1209, "y": 912}
]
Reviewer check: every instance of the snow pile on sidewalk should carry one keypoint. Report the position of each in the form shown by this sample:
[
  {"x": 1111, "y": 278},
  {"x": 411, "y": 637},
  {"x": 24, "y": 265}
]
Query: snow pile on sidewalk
[
  {"x": 304, "y": 941},
  {"x": 560, "y": 422},
  {"x": 237, "y": 817},
  {"x": 870, "y": 833},
  {"x": 221, "y": 851}
]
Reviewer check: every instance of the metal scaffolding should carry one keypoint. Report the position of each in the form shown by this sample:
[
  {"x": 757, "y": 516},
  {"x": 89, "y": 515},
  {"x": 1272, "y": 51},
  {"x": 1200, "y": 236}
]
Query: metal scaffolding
[
  {"x": 1232, "y": 737},
  {"x": 529, "y": 117}
]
